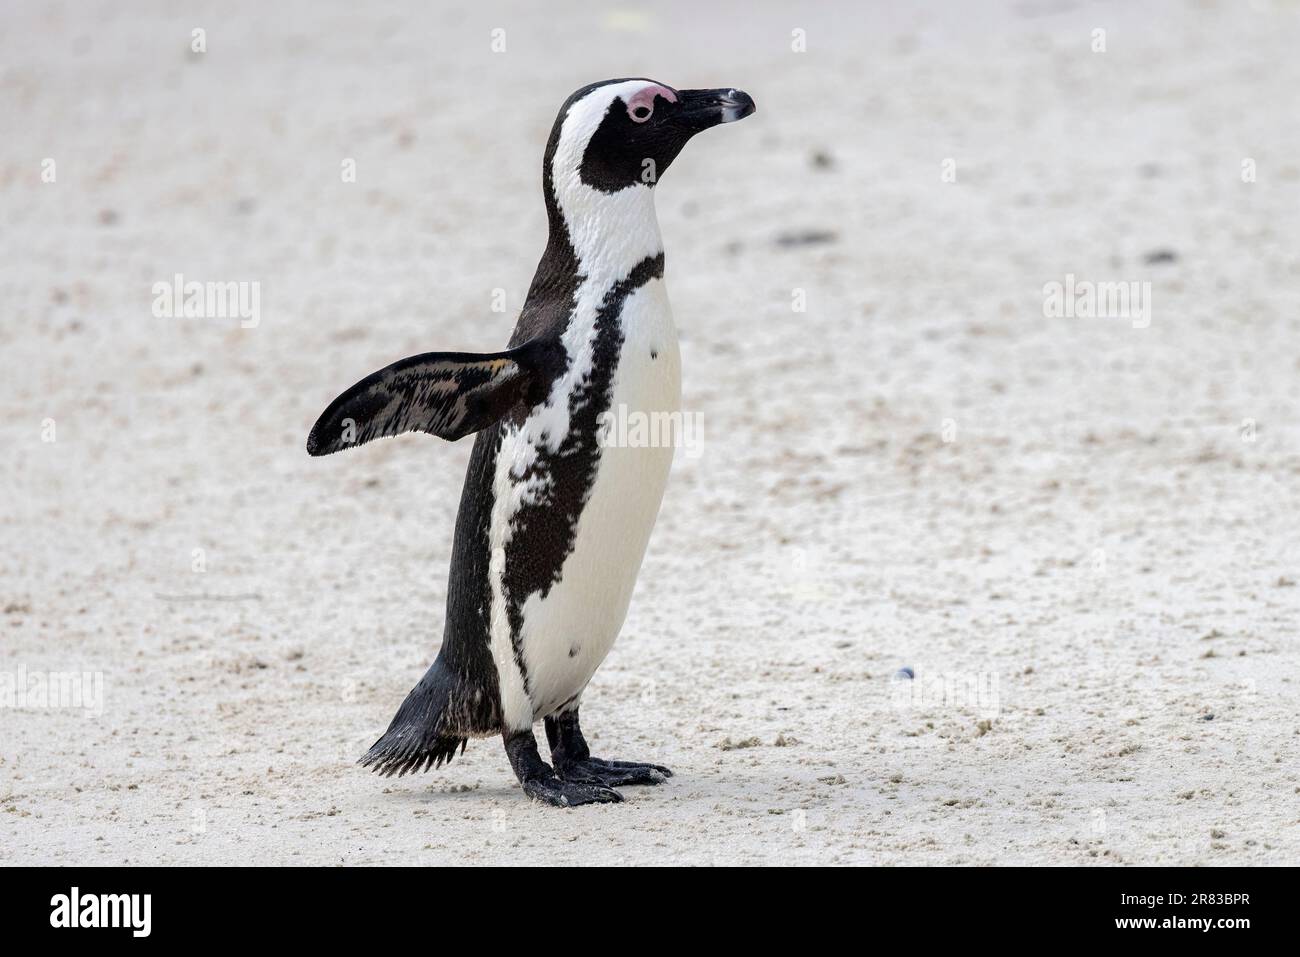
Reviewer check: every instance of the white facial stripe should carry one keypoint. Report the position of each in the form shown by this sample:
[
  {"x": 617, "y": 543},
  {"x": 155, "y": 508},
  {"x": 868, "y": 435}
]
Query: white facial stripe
[
  {"x": 610, "y": 232},
  {"x": 584, "y": 117}
]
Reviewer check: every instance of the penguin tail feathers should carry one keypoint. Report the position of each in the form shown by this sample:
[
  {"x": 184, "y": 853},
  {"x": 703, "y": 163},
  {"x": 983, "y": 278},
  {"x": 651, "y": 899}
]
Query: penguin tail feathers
[
  {"x": 421, "y": 735},
  {"x": 397, "y": 754}
]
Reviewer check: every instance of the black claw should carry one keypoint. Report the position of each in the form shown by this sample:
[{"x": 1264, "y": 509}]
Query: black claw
[
  {"x": 632, "y": 766},
  {"x": 613, "y": 773},
  {"x": 563, "y": 793},
  {"x": 573, "y": 760}
]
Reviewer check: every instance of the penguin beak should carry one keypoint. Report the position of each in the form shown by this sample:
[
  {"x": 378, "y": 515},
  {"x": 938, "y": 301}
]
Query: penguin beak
[{"x": 702, "y": 109}]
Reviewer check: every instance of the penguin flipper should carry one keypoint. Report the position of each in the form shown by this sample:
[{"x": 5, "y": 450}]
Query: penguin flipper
[{"x": 447, "y": 394}]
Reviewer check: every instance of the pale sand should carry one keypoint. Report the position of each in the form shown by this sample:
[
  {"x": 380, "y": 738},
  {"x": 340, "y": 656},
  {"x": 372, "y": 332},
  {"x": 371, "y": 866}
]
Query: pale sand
[{"x": 1100, "y": 543}]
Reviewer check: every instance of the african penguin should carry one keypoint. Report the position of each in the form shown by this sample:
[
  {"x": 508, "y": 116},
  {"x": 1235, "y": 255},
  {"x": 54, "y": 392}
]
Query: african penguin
[{"x": 553, "y": 522}]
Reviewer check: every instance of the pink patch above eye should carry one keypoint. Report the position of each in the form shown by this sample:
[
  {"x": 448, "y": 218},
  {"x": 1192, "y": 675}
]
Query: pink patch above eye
[{"x": 642, "y": 102}]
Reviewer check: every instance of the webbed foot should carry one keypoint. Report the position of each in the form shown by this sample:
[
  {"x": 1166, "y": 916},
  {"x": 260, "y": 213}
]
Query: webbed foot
[
  {"x": 573, "y": 760},
  {"x": 559, "y": 792},
  {"x": 542, "y": 784},
  {"x": 613, "y": 773}
]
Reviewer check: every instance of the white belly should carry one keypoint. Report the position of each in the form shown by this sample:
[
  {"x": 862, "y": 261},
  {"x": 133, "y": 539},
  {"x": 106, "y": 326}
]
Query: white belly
[{"x": 566, "y": 634}]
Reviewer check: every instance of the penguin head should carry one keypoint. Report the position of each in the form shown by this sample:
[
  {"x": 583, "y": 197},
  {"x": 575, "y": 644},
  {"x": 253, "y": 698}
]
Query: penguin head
[{"x": 623, "y": 134}]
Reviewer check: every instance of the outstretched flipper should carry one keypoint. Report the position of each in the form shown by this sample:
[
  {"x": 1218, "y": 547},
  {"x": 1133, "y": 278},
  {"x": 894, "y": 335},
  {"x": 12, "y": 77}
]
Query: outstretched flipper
[{"x": 447, "y": 394}]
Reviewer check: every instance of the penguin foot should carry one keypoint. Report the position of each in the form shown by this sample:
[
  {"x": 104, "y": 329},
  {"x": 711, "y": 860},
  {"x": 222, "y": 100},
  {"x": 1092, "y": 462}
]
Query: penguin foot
[
  {"x": 613, "y": 773},
  {"x": 542, "y": 784},
  {"x": 563, "y": 793},
  {"x": 573, "y": 760}
]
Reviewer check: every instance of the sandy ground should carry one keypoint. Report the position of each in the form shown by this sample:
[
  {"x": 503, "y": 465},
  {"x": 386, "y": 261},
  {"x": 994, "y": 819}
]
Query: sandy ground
[{"x": 1080, "y": 534}]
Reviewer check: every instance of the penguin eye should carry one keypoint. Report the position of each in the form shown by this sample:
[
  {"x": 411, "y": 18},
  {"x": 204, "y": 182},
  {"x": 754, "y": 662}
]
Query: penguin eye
[{"x": 640, "y": 112}]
